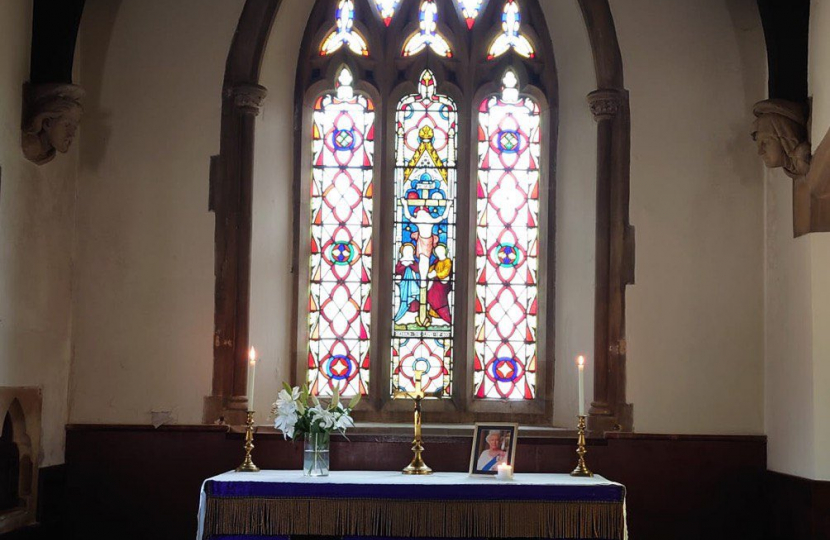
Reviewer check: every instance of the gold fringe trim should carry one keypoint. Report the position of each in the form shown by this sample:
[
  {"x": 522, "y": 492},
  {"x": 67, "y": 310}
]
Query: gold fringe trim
[{"x": 414, "y": 519}]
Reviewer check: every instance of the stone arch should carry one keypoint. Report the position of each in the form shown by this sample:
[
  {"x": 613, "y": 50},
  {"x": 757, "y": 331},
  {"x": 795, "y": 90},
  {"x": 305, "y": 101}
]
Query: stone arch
[{"x": 231, "y": 200}]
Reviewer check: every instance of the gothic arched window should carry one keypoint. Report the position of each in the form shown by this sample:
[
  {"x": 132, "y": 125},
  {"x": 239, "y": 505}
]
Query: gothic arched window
[{"x": 425, "y": 144}]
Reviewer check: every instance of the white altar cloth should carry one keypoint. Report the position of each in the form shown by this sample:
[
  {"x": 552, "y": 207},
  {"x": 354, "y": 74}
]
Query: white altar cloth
[{"x": 387, "y": 478}]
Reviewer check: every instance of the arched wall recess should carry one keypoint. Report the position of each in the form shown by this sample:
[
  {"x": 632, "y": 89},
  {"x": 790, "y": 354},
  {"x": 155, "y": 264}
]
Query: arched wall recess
[
  {"x": 21, "y": 406},
  {"x": 231, "y": 185}
]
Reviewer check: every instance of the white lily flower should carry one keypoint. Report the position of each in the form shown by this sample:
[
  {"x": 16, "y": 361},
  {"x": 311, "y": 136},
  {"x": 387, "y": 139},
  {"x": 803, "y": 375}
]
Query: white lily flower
[
  {"x": 343, "y": 421},
  {"x": 285, "y": 422},
  {"x": 287, "y": 403},
  {"x": 323, "y": 417}
]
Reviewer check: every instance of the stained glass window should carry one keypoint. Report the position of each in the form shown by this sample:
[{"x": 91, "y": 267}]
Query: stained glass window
[
  {"x": 387, "y": 9},
  {"x": 470, "y": 9},
  {"x": 427, "y": 36},
  {"x": 511, "y": 38},
  {"x": 344, "y": 33},
  {"x": 424, "y": 250},
  {"x": 507, "y": 245},
  {"x": 340, "y": 265}
]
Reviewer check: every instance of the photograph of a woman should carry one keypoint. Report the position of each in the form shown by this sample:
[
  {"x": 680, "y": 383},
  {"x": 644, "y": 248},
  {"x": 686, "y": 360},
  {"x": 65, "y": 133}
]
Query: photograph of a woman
[{"x": 493, "y": 444}]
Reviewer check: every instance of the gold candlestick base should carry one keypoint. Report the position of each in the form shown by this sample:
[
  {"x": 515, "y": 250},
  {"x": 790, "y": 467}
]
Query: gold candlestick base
[
  {"x": 581, "y": 469},
  {"x": 248, "y": 464},
  {"x": 417, "y": 465}
]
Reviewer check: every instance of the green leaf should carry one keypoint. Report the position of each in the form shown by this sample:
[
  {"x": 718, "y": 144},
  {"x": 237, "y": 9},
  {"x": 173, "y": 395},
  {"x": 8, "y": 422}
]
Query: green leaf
[
  {"x": 355, "y": 400},
  {"x": 335, "y": 399},
  {"x": 288, "y": 388}
]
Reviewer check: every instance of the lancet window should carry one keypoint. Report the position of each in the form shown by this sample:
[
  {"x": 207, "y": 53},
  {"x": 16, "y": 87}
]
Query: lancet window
[{"x": 424, "y": 165}]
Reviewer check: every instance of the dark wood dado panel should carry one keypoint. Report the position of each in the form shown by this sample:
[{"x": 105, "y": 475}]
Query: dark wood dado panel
[
  {"x": 799, "y": 509},
  {"x": 135, "y": 482}
]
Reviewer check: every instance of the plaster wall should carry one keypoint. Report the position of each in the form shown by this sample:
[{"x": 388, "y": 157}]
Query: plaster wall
[
  {"x": 798, "y": 304},
  {"x": 272, "y": 281},
  {"x": 820, "y": 243},
  {"x": 695, "y": 316},
  {"x": 789, "y": 336},
  {"x": 36, "y": 224},
  {"x": 143, "y": 299}
]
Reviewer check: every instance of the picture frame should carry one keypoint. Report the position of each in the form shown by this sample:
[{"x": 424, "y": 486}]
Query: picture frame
[{"x": 493, "y": 443}]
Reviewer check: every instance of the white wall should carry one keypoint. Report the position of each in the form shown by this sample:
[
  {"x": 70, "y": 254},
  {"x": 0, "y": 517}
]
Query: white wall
[
  {"x": 144, "y": 297},
  {"x": 36, "y": 224},
  {"x": 789, "y": 336},
  {"x": 272, "y": 281},
  {"x": 143, "y": 300},
  {"x": 271, "y": 278},
  {"x": 695, "y": 316},
  {"x": 820, "y": 90},
  {"x": 798, "y": 304}
]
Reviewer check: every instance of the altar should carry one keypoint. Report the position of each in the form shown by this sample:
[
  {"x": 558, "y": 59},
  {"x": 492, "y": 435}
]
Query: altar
[{"x": 392, "y": 505}]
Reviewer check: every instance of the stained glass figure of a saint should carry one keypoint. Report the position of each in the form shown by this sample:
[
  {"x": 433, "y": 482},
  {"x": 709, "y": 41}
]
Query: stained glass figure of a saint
[{"x": 424, "y": 251}]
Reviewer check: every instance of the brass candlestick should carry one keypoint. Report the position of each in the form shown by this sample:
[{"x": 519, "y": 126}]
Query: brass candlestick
[
  {"x": 581, "y": 468},
  {"x": 248, "y": 464},
  {"x": 417, "y": 465}
]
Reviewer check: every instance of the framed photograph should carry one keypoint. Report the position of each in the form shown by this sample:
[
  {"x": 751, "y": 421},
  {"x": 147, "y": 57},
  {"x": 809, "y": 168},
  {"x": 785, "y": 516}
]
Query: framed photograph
[{"x": 493, "y": 443}]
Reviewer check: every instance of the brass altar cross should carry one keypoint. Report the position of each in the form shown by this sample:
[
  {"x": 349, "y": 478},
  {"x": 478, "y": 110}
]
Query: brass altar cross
[{"x": 417, "y": 465}]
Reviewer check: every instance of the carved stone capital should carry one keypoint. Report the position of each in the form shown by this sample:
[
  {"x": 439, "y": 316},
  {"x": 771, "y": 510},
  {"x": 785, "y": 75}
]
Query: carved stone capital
[
  {"x": 605, "y": 104},
  {"x": 248, "y": 98},
  {"x": 51, "y": 115},
  {"x": 780, "y": 131}
]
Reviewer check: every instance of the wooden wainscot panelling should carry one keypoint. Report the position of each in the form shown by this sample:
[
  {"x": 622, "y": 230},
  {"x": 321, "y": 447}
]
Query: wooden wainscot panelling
[
  {"x": 798, "y": 508},
  {"x": 139, "y": 482}
]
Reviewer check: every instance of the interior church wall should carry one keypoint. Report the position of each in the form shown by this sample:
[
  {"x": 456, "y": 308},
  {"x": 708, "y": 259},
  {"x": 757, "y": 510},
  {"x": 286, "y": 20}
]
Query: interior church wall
[
  {"x": 798, "y": 303},
  {"x": 36, "y": 237},
  {"x": 271, "y": 278},
  {"x": 143, "y": 296},
  {"x": 789, "y": 335},
  {"x": 695, "y": 316},
  {"x": 820, "y": 90}
]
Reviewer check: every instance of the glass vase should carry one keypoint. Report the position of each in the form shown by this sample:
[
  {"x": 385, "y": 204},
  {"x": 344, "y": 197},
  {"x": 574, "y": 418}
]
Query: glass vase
[{"x": 316, "y": 454}]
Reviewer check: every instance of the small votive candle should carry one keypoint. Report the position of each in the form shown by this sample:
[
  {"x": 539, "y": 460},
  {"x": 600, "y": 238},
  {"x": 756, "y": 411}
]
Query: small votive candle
[{"x": 504, "y": 472}]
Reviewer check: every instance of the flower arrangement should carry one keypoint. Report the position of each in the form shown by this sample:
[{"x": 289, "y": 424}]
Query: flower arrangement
[{"x": 298, "y": 413}]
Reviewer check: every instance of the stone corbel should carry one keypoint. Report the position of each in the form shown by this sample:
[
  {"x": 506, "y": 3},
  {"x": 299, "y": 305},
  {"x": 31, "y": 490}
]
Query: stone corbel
[
  {"x": 780, "y": 131},
  {"x": 782, "y": 135},
  {"x": 51, "y": 115}
]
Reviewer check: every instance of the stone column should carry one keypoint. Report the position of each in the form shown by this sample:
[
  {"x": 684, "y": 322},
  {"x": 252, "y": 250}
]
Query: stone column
[
  {"x": 233, "y": 203},
  {"x": 605, "y": 106}
]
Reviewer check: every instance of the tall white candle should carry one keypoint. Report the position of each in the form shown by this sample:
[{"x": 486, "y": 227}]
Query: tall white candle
[
  {"x": 251, "y": 377},
  {"x": 581, "y": 362}
]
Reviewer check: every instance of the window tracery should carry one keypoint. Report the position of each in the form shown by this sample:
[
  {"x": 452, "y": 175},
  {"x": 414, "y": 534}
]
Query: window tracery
[
  {"x": 511, "y": 37},
  {"x": 462, "y": 312},
  {"x": 387, "y": 8},
  {"x": 344, "y": 33},
  {"x": 427, "y": 37}
]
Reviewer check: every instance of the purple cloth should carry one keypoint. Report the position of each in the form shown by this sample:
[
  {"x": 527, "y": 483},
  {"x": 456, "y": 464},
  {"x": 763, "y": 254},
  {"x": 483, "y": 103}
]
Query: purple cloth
[{"x": 496, "y": 492}]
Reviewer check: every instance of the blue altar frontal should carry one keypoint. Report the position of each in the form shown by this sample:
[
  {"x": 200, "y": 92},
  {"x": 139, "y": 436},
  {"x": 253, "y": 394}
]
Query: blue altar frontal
[{"x": 269, "y": 504}]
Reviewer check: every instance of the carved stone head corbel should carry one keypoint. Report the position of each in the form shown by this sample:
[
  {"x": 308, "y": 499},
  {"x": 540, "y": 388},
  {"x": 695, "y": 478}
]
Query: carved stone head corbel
[
  {"x": 780, "y": 132},
  {"x": 52, "y": 113}
]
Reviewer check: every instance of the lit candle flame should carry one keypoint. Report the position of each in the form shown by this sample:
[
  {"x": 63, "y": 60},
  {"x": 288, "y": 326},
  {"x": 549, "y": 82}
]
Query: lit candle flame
[
  {"x": 581, "y": 361},
  {"x": 252, "y": 356}
]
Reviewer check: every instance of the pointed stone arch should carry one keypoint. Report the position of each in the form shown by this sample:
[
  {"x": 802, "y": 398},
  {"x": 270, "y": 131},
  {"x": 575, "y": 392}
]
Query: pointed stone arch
[{"x": 232, "y": 181}]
